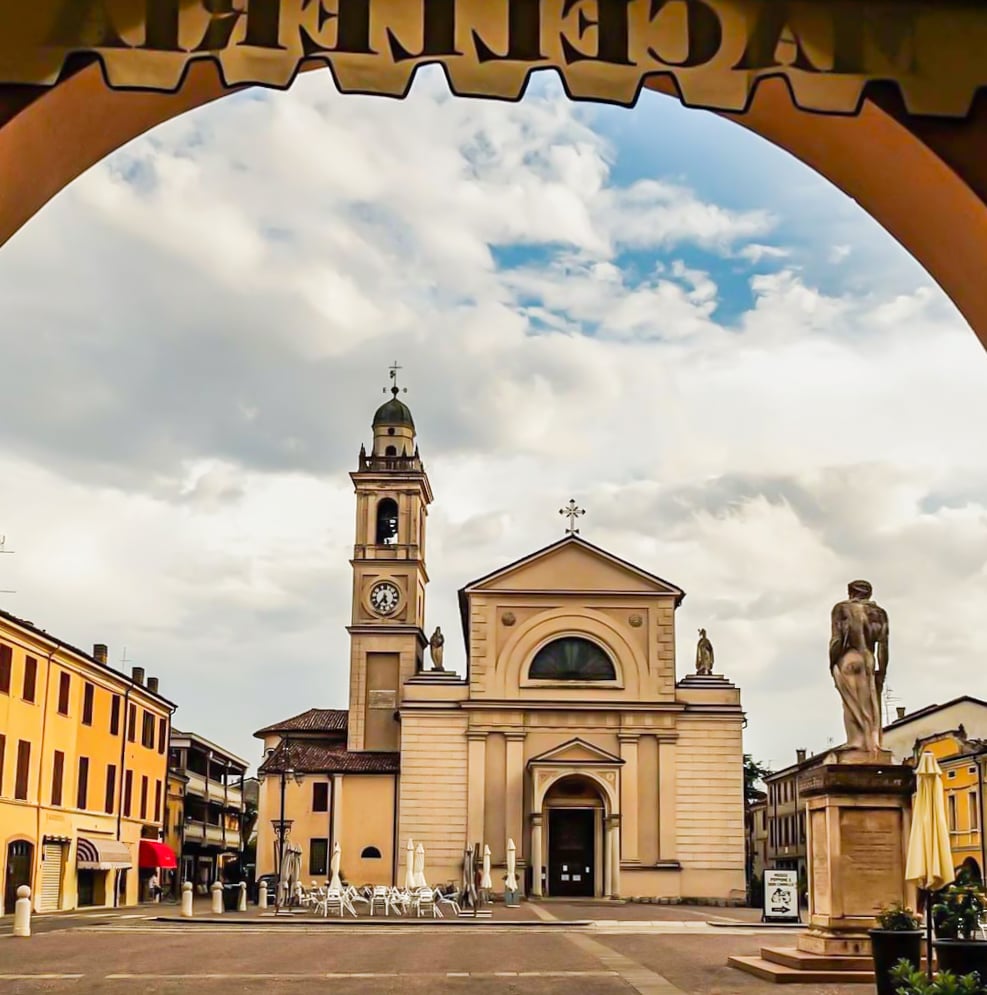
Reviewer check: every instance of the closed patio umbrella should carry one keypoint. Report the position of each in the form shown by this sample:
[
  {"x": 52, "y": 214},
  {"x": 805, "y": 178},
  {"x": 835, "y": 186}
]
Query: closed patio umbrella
[
  {"x": 337, "y": 855},
  {"x": 930, "y": 860},
  {"x": 485, "y": 881},
  {"x": 409, "y": 867},
  {"x": 420, "y": 881},
  {"x": 511, "y": 882}
]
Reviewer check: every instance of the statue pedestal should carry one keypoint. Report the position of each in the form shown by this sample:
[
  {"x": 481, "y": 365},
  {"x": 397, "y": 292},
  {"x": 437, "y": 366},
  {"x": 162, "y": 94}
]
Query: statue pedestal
[{"x": 857, "y": 820}]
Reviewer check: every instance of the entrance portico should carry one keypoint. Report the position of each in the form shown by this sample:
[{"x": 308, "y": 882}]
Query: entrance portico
[{"x": 575, "y": 824}]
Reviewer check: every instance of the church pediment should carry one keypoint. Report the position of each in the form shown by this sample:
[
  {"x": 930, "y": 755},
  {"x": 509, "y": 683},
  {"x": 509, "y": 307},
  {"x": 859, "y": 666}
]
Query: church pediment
[
  {"x": 576, "y": 752},
  {"x": 573, "y": 565}
]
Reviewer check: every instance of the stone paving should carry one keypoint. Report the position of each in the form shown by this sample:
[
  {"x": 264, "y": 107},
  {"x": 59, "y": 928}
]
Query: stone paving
[{"x": 623, "y": 949}]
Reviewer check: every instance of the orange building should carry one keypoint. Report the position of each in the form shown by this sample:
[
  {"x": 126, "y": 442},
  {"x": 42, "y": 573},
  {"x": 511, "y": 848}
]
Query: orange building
[{"x": 83, "y": 767}]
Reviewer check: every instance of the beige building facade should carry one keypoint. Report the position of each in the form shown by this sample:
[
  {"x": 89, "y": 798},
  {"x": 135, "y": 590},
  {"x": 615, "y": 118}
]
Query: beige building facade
[{"x": 570, "y": 733}]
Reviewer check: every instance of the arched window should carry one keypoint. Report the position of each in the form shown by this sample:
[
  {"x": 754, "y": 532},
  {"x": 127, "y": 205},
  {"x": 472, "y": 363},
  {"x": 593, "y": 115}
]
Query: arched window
[
  {"x": 572, "y": 659},
  {"x": 370, "y": 853},
  {"x": 387, "y": 522},
  {"x": 391, "y": 451}
]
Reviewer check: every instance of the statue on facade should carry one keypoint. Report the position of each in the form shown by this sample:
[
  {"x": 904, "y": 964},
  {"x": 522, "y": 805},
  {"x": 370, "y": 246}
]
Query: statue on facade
[
  {"x": 858, "y": 661},
  {"x": 435, "y": 645},
  {"x": 704, "y": 655}
]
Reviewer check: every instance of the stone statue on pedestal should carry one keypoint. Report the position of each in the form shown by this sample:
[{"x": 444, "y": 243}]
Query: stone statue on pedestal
[
  {"x": 704, "y": 655},
  {"x": 435, "y": 645},
  {"x": 858, "y": 661}
]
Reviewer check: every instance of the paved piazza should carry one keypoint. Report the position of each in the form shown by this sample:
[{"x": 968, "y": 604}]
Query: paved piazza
[{"x": 544, "y": 950}]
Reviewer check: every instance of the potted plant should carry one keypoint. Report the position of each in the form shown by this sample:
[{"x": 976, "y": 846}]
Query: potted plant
[
  {"x": 956, "y": 917},
  {"x": 909, "y": 981},
  {"x": 898, "y": 937}
]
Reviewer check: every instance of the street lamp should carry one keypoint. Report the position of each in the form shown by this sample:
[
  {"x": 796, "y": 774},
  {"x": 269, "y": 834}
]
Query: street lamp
[{"x": 281, "y": 825}]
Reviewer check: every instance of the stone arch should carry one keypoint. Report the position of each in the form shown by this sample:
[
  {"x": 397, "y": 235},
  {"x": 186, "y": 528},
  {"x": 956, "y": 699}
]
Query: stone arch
[
  {"x": 586, "y": 623},
  {"x": 608, "y": 790},
  {"x": 923, "y": 179}
]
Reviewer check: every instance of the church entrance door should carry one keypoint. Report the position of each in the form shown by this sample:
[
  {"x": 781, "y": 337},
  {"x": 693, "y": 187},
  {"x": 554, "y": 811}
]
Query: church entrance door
[{"x": 571, "y": 857}]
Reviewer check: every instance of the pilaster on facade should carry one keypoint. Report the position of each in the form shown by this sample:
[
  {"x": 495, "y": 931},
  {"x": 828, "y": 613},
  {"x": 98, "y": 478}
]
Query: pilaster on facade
[
  {"x": 629, "y": 796},
  {"x": 514, "y": 787},
  {"x": 476, "y": 752}
]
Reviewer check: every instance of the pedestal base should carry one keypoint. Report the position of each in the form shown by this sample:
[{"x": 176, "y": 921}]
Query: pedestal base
[{"x": 857, "y": 818}]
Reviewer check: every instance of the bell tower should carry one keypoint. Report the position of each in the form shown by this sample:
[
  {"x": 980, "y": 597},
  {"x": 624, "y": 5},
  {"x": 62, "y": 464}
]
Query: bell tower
[{"x": 387, "y": 638}]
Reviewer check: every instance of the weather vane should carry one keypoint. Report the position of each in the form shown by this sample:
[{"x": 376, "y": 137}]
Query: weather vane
[
  {"x": 392, "y": 372},
  {"x": 572, "y": 511}
]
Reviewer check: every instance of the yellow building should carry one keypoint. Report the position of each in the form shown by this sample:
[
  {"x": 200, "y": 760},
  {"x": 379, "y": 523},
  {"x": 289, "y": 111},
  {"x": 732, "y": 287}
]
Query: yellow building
[
  {"x": 83, "y": 761},
  {"x": 570, "y": 733},
  {"x": 961, "y": 760}
]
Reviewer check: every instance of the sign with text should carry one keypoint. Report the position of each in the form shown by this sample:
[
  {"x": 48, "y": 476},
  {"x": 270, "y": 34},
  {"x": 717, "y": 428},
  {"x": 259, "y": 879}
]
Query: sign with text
[
  {"x": 781, "y": 896},
  {"x": 716, "y": 50}
]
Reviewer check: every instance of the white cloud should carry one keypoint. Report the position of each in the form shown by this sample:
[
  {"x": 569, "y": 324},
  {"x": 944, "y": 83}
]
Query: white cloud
[{"x": 200, "y": 386}]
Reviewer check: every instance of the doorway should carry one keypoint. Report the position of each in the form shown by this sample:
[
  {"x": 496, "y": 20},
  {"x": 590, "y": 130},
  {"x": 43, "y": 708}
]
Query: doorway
[
  {"x": 20, "y": 860},
  {"x": 572, "y": 852}
]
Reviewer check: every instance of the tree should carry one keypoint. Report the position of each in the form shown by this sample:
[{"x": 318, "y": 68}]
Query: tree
[{"x": 754, "y": 774}]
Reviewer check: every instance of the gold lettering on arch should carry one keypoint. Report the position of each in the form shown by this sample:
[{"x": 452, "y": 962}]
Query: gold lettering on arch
[{"x": 717, "y": 50}]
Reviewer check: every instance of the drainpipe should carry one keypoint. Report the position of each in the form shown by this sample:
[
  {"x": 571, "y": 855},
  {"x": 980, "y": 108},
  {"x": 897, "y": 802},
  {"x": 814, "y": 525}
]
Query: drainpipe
[
  {"x": 41, "y": 762},
  {"x": 124, "y": 726}
]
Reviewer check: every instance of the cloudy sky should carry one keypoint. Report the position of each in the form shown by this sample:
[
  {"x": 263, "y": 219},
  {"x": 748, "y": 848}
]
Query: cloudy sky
[{"x": 752, "y": 389}]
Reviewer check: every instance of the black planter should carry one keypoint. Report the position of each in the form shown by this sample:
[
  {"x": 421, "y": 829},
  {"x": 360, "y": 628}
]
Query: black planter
[
  {"x": 962, "y": 957},
  {"x": 888, "y": 946}
]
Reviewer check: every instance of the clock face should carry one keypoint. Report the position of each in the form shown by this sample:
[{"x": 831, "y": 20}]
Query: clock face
[{"x": 384, "y": 598}]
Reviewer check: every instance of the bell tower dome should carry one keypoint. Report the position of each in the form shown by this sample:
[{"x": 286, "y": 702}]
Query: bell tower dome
[{"x": 387, "y": 638}]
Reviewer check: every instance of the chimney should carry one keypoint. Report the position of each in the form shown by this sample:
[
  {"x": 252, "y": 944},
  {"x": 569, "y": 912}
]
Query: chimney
[
  {"x": 152, "y": 685},
  {"x": 800, "y": 756},
  {"x": 901, "y": 711},
  {"x": 100, "y": 652},
  {"x": 137, "y": 675}
]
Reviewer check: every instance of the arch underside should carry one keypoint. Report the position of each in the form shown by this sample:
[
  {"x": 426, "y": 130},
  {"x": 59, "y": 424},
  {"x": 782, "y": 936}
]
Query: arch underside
[{"x": 923, "y": 179}]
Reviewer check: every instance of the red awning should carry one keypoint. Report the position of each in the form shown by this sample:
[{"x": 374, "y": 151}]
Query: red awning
[{"x": 154, "y": 854}]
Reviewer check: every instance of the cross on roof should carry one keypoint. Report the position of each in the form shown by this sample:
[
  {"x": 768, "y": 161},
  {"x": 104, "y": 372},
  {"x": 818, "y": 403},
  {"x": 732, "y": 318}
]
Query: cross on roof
[
  {"x": 572, "y": 511},
  {"x": 392, "y": 372}
]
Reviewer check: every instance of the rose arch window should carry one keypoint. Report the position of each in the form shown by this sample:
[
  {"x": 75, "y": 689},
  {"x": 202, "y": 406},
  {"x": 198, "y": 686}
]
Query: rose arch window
[{"x": 572, "y": 659}]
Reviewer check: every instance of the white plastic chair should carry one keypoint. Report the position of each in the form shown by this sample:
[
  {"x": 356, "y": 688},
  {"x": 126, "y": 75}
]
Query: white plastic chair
[{"x": 380, "y": 897}]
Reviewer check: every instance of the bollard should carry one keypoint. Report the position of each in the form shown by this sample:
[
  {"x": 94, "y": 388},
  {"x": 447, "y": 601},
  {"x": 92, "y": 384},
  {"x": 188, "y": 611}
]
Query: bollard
[
  {"x": 22, "y": 912},
  {"x": 262, "y": 895},
  {"x": 241, "y": 905},
  {"x": 187, "y": 900},
  {"x": 217, "y": 898}
]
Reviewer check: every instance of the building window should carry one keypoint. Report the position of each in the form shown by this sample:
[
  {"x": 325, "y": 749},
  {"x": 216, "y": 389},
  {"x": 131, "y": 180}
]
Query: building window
[
  {"x": 318, "y": 856},
  {"x": 147, "y": 730},
  {"x": 3, "y": 750},
  {"x": 951, "y": 773},
  {"x": 370, "y": 853},
  {"x": 320, "y": 797},
  {"x": 82, "y": 794},
  {"x": 30, "y": 678},
  {"x": 64, "y": 687},
  {"x": 111, "y": 787},
  {"x": 162, "y": 735},
  {"x": 115, "y": 715},
  {"x": 144, "y": 796},
  {"x": 128, "y": 792},
  {"x": 387, "y": 522},
  {"x": 951, "y": 805},
  {"x": 157, "y": 801},
  {"x": 132, "y": 723},
  {"x": 571, "y": 659},
  {"x": 88, "y": 692},
  {"x": 974, "y": 812},
  {"x": 6, "y": 658},
  {"x": 23, "y": 769},
  {"x": 57, "y": 777}
]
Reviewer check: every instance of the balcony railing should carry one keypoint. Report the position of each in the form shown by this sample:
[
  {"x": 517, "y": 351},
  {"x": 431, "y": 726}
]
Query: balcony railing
[
  {"x": 206, "y": 832},
  {"x": 197, "y": 787}
]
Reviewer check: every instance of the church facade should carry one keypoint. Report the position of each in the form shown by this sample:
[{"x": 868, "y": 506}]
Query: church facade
[{"x": 569, "y": 733}]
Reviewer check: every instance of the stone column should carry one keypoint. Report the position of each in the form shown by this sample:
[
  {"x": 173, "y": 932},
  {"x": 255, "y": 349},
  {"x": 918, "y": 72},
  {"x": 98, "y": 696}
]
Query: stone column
[
  {"x": 513, "y": 792},
  {"x": 337, "y": 811},
  {"x": 628, "y": 798},
  {"x": 667, "y": 798},
  {"x": 217, "y": 898},
  {"x": 536, "y": 854},
  {"x": 476, "y": 774},
  {"x": 22, "y": 912},
  {"x": 613, "y": 852},
  {"x": 187, "y": 909}
]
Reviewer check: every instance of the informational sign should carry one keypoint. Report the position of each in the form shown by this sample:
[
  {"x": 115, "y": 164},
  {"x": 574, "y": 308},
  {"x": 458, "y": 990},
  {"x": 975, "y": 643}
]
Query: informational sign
[
  {"x": 716, "y": 51},
  {"x": 781, "y": 896}
]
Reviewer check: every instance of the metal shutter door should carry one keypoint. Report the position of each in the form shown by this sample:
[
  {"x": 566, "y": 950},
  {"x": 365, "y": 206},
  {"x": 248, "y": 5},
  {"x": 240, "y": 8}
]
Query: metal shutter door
[{"x": 52, "y": 865}]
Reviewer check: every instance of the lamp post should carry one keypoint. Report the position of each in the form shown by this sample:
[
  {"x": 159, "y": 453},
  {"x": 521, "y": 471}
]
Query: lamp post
[{"x": 281, "y": 825}]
